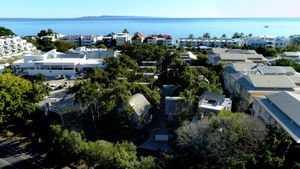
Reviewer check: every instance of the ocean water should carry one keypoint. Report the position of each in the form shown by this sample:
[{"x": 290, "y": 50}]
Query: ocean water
[{"x": 178, "y": 28}]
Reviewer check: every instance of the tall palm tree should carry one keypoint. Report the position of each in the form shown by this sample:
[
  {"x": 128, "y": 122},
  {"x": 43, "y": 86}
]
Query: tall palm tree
[
  {"x": 206, "y": 35},
  {"x": 191, "y": 36},
  {"x": 224, "y": 36}
]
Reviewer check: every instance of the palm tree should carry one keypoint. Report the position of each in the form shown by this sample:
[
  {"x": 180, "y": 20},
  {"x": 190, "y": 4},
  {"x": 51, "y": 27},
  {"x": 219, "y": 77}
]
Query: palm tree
[
  {"x": 125, "y": 31},
  {"x": 224, "y": 36},
  {"x": 191, "y": 36},
  {"x": 206, "y": 35},
  {"x": 87, "y": 94}
]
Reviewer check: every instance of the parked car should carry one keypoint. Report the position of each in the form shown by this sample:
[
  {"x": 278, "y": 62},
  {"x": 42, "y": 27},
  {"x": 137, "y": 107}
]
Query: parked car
[{"x": 59, "y": 77}]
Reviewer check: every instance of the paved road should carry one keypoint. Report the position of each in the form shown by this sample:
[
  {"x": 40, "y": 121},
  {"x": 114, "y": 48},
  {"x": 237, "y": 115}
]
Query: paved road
[{"x": 13, "y": 154}]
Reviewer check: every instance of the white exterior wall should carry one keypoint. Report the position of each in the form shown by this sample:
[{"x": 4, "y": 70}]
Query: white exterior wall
[{"x": 14, "y": 45}]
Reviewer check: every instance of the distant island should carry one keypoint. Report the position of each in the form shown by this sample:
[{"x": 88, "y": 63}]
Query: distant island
[{"x": 116, "y": 17}]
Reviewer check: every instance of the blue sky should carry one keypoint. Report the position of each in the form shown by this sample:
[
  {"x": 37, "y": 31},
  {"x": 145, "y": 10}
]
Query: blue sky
[{"x": 160, "y": 8}]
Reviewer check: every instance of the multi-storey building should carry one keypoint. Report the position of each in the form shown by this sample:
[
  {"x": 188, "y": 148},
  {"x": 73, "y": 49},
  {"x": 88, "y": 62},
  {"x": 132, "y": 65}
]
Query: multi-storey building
[
  {"x": 54, "y": 63},
  {"x": 260, "y": 42},
  {"x": 214, "y": 42},
  {"x": 282, "y": 109},
  {"x": 227, "y": 56},
  {"x": 11, "y": 45},
  {"x": 246, "y": 80},
  {"x": 122, "y": 39},
  {"x": 82, "y": 40},
  {"x": 161, "y": 40}
]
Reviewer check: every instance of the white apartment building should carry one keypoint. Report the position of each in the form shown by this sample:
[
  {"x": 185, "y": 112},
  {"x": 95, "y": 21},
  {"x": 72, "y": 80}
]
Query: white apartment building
[
  {"x": 281, "y": 42},
  {"x": 261, "y": 42},
  {"x": 214, "y": 42},
  {"x": 82, "y": 40},
  {"x": 295, "y": 39},
  {"x": 161, "y": 40},
  {"x": 54, "y": 63},
  {"x": 11, "y": 45},
  {"x": 122, "y": 39}
]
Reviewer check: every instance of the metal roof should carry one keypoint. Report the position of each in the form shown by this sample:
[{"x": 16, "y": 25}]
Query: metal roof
[
  {"x": 288, "y": 103},
  {"x": 270, "y": 81},
  {"x": 139, "y": 104},
  {"x": 276, "y": 70}
]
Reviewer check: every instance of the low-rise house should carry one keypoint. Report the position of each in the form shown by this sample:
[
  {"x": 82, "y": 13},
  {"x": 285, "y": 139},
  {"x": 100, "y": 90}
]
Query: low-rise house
[
  {"x": 188, "y": 57},
  {"x": 295, "y": 56},
  {"x": 138, "y": 38},
  {"x": 122, "y": 39},
  {"x": 172, "y": 104},
  {"x": 280, "y": 108},
  {"x": 210, "y": 102},
  {"x": 141, "y": 107}
]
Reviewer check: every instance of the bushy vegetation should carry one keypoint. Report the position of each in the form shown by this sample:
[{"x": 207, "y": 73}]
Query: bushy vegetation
[
  {"x": 6, "y": 32},
  {"x": 18, "y": 98},
  {"x": 287, "y": 62}
]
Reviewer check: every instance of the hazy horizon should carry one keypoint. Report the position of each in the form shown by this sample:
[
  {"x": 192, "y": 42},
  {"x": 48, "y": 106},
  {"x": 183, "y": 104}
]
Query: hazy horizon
[{"x": 154, "y": 8}]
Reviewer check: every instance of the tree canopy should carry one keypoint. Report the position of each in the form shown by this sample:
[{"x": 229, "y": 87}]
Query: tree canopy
[
  {"x": 18, "y": 98},
  {"x": 6, "y": 32}
]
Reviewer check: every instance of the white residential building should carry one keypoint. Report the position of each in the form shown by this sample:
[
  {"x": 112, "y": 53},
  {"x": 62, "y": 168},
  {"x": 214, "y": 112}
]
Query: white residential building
[
  {"x": 281, "y": 42},
  {"x": 13, "y": 45},
  {"x": 81, "y": 40},
  {"x": 54, "y": 63},
  {"x": 213, "y": 102},
  {"x": 122, "y": 39},
  {"x": 280, "y": 108},
  {"x": 161, "y": 40},
  {"x": 295, "y": 39},
  {"x": 213, "y": 42},
  {"x": 260, "y": 42}
]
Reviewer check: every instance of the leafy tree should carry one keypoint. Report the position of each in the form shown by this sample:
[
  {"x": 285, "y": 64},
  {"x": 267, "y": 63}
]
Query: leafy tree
[
  {"x": 6, "y": 32},
  {"x": 70, "y": 146},
  {"x": 287, "y": 62},
  {"x": 148, "y": 163},
  {"x": 227, "y": 140},
  {"x": 145, "y": 51},
  {"x": 45, "y": 32},
  {"x": 18, "y": 98},
  {"x": 63, "y": 46},
  {"x": 223, "y": 36},
  {"x": 42, "y": 33},
  {"x": 102, "y": 46},
  {"x": 238, "y": 35}
]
